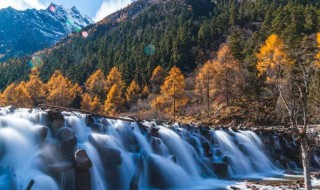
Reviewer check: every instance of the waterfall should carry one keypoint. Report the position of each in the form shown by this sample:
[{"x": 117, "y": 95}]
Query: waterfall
[{"x": 69, "y": 149}]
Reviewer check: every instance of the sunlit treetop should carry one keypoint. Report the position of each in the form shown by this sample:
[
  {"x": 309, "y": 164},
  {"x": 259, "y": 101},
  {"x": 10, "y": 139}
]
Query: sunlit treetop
[
  {"x": 317, "y": 62},
  {"x": 272, "y": 58}
]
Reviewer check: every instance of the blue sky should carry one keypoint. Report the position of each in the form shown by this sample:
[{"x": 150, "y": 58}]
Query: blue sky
[{"x": 96, "y": 9}]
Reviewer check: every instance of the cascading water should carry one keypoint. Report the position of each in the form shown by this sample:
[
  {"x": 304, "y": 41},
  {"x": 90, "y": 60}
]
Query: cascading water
[{"x": 71, "y": 150}]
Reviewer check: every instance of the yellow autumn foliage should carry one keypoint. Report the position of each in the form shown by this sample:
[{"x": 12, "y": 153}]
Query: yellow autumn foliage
[
  {"x": 36, "y": 88},
  {"x": 205, "y": 81},
  {"x": 95, "y": 85},
  {"x": 17, "y": 95},
  {"x": 114, "y": 101},
  {"x": 91, "y": 104},
  {"x": 272, "y": 58},
  {"x": 145, "y": 92},
  {"x": 2, "y": 100},
  {"x": 157, "y": 79},
  {"x": 172, "y": 92},
  {"x": 85, "y": 102},
  {"x": 133, "y": 92},
  {"x": 317, "y": 62},
  {"x": 114, "y": 78},
  {"x": 61, "y": 91}
]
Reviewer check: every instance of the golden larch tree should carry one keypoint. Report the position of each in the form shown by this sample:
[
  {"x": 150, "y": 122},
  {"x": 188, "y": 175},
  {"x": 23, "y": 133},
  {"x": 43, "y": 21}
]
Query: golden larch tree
[
  {"x": 85, "y": 102},
  {"x": 91, "y": 104},
  {"x": 21, "y": 96},
  {"x": 292, "y": 79},
  {"x": 273, "y": 59},
  {"x": 145, "y": 92},
  {"x": 133, "y": 92},
  {"x": 61, "y": 91},
  {"x": 157, "y": 79},
  {"x": 227, "y": 74},
  {"x": 95, "y": 85},
  {"x": 95, "y": 105},
  {"x": 2, "y": 100},
  {"x": 36, "y": 88},
  {"x": 114, "y": 77},
  {"x": 114, "y": 101},
  {"x": 17, "y": 95},
  {"x": 8, "y": 94},
  {"x": 274, "y": 64},
  {"x": 317, "y": 61},
  {"x": 204, "y": 87},
  {"x": 172, "y": 95}
]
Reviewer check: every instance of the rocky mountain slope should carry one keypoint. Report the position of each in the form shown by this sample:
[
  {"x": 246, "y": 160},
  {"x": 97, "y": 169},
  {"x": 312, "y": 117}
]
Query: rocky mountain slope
[{"x": 25, "y": 32}]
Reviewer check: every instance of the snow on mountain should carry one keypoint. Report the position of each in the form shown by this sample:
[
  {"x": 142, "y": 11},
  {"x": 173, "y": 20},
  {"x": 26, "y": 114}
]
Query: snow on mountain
[{"x": 25, "y": 32}]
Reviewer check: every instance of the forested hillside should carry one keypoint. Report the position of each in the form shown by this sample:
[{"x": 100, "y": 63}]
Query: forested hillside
[{"x": 195, "y": 36}]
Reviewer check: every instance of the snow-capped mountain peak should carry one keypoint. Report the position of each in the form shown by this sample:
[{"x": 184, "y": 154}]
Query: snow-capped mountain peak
[{"x": 25, "y": 32}]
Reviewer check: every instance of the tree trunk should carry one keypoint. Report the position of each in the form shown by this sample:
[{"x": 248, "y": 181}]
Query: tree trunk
[
  {"x": 174, "y": 110},
  {"x": 227, "y": 86},
  {"x": 306, "y": 164},
  {"x": 208, "y": 100},
  {"x": 174, "y": 103}
]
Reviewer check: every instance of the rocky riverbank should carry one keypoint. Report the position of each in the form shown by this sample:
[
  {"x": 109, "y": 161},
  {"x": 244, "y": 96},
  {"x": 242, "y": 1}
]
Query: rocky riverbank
[{"x": 83, "y": 151}]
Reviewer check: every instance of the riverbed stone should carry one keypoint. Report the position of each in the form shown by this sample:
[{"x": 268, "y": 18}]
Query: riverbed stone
[
  {"x": 44, "y": 131},
  {"x": 111, "y": 156},
  {"x": 55, "y": 121},
  {"x": 68, "y": 141},
  {"x": 96, "y": 127},
  {"x": 154, "y": 131},
  {"x": 220, "y": 169},
  {"x": 82, "y": 160},
  {"x": 65, "y": 134},
  {"x": 83, "y": 180},
  {"x": 89, "y": 119}
]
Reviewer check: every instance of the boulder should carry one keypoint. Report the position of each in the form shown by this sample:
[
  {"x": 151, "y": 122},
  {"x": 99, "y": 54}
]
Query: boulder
[
  {"x": 173, "y": 158},
  {"x": 226, "y": 159},
  {"x": 191, "y": 141},
  {"x": 66, "y": 134},
  {"x": 220, "y": 169},
  {"x": 142, "y": 127},
  {"x": 206, "y": 148},
  {"x": 82, "y": 160},
  {"x": 89, "y": 120},
  {"x": 12, "y": 109},
  {"x": 218, "y": 152},
  {"x": 68, "y": 142},
  {"x": 44, "y": 131},
  {"x": 83, "y": 180},
  {"x": 82, "y": 173},
  {"x": 96, "y": 127},
  {"x": 110, "y": 156},
  {"x": 157, "y": 179},
  {"x": 205, "y": 131},
  {"x": 156, "y": 144},
  {"x": 154, "y": 131},
  {"x": 55, "y": 121}
]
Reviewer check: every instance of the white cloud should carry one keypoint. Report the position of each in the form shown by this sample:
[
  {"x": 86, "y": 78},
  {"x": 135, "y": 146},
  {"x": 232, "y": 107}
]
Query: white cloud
[
  {"x": 22, "y": 4},
  {"x": 110, "y": 6}
]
